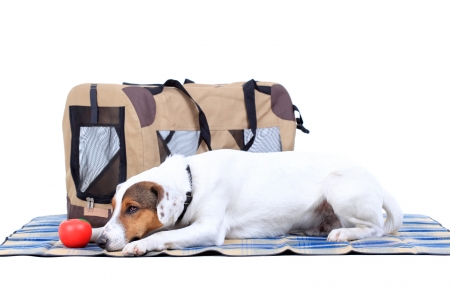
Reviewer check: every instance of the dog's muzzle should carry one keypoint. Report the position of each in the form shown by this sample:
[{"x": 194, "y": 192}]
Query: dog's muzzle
[
  {"x": 102, "y": 240},
  {"x": 112, "y": 238}
]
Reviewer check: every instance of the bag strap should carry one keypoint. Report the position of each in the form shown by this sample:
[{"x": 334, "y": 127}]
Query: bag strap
[
  {"x": 250, "y": 106},
  {"x": 94, "y": 105},
  {"x": 299, "y": 120},
  {"x": 205, "y": 134}
]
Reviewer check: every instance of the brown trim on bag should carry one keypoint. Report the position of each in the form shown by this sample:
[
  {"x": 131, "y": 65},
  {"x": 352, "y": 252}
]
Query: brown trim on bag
[
  {"x": 143, "y": 102},
  {"x": 77, "y": 212},
  {"x": 238, "y": 136},
  {"x": 282, "y": 103}
]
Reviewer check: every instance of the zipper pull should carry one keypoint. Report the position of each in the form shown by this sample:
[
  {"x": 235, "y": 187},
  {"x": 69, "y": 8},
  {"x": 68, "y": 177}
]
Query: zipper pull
[{"x": 90, "y": 203}]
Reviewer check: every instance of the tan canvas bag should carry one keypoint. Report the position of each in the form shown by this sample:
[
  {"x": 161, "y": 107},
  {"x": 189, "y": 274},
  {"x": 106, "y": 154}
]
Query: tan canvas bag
[{"x": 115, "y": 131}]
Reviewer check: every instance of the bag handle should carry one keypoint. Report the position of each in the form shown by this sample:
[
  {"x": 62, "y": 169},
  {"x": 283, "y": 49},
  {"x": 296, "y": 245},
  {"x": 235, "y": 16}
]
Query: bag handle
[
  {"x": 205, "y": 134},
  {"x": 250, "y": 106},
  {"x": 203, "y": 122}
]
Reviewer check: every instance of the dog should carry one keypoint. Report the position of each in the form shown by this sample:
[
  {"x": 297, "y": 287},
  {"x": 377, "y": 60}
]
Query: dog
[{"x": 201, "y": 200}]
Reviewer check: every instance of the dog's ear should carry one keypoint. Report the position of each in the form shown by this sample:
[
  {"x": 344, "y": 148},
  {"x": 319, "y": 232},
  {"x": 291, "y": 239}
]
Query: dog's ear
[
  {"x": 170, "y": 204},
  {"x": 158, "y": 191}
]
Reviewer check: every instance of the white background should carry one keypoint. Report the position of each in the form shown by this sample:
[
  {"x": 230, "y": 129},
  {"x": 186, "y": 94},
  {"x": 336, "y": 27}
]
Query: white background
[{"x": 371, "y": 79}]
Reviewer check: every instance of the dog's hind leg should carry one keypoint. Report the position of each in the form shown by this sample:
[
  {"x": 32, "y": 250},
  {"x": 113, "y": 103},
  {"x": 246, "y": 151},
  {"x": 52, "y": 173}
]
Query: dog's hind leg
[
  {"x": 357, "y": 199},
  {"x": 361, "y": 231},
  {"x": 318, "y": 220}
]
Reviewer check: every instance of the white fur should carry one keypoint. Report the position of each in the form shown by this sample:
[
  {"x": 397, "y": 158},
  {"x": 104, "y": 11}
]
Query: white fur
[{"x": 238, "y": 194}]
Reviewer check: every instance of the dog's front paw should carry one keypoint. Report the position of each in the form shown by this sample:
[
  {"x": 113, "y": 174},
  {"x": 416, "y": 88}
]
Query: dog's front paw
[
  {"x": 137, "y": 248},
  {"x": 338, "y": 235}
]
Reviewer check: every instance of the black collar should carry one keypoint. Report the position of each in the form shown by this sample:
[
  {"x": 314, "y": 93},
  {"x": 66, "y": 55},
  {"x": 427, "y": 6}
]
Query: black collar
[{"x": 188, "y": 195}]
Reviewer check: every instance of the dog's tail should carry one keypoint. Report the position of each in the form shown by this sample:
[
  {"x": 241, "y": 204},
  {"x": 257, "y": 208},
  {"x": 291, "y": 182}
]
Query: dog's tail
[{"x": 394, "y": 218}]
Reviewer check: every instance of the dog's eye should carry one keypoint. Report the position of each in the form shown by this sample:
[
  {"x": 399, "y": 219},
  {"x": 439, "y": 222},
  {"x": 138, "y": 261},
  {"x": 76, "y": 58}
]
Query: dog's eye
[{"x": 132, "y": 209}]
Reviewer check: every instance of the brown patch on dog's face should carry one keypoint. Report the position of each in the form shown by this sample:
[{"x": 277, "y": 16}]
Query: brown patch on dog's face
[{"x": 138, "y": 210}]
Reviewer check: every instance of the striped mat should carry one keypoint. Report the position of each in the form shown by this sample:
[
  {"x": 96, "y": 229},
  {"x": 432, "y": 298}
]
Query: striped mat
[{"x": 419, "y": 235}]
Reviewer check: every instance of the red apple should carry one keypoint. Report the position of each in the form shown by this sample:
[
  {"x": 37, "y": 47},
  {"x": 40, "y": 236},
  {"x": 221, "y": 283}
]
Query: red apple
[{"x": 75, "y": 233}]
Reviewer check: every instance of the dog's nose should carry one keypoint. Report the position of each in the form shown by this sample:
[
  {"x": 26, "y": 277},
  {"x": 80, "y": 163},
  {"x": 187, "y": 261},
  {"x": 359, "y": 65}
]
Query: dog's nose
[{"x": 101, "y": 241}]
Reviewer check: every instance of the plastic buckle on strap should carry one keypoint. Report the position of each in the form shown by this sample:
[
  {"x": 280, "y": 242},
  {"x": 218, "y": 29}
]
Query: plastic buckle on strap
[
  {"x": 299, "y": 120},
  {"x": 300, "y": 126}
]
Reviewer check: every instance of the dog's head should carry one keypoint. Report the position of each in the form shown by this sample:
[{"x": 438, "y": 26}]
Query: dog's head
[{"x": 139, "y": 210}]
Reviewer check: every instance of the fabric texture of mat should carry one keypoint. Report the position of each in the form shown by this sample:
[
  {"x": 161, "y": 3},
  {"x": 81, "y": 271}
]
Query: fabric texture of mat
[{"x": 419, "y": 235}]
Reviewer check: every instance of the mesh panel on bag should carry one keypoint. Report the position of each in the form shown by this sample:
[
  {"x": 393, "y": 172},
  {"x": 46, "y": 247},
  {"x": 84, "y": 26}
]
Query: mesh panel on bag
[
  {"x": 98, "y": 146},
  {"x": 181, "y": 141},
  {"x": 267, "y": 139}
]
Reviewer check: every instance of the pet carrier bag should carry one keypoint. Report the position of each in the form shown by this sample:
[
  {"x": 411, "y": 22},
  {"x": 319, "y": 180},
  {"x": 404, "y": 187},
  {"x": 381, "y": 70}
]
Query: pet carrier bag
[{"x": 115, "y": 131}]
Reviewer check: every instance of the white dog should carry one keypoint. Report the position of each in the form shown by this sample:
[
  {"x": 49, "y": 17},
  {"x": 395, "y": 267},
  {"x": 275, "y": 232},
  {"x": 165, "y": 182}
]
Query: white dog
[{"x": 237, "y": 194}]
